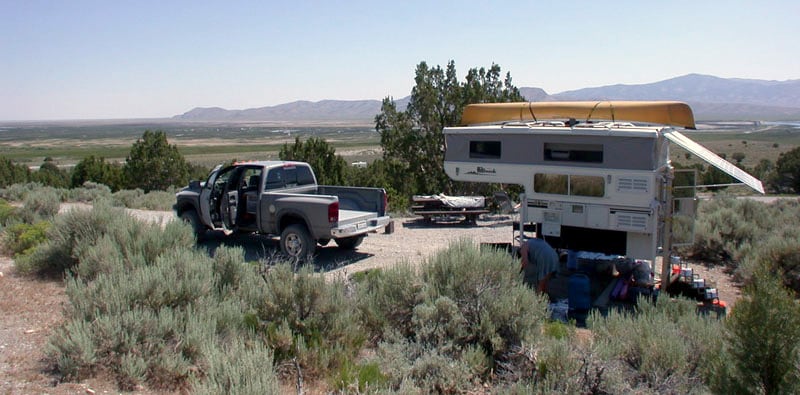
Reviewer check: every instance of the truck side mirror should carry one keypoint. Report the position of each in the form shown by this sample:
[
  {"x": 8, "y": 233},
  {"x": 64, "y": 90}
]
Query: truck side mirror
[{"x": 194, "y": 184}]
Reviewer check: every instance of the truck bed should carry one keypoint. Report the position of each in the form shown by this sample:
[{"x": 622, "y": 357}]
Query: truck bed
[{"x": 350, "y": 216}]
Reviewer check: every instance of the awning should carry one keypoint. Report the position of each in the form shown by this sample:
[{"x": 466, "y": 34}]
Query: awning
[{"x": 714, "y": 159}]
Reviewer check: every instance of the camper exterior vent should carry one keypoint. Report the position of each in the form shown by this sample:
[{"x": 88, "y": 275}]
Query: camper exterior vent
[
  {"x": 630, "y": 184},
  {"x": 623, "y": 220}
]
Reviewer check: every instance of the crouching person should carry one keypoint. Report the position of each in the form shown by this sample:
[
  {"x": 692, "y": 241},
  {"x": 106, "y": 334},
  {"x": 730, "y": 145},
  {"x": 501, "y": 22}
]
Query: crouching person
[{"x": 540, "y": 269}]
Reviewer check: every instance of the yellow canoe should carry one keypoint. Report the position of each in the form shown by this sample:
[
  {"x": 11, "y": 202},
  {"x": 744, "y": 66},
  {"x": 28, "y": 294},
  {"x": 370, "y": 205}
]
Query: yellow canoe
[{"x": 672, "y": 113}]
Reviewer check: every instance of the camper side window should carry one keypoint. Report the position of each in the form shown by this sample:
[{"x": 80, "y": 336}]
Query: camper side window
[
  {"x": 551, "y": 183},
  {"x": 587, "y": 186},
  {"x": 591, "y": 153},
  {"x": 485, "y": 149},
  {"x": 570, "y": 185}
]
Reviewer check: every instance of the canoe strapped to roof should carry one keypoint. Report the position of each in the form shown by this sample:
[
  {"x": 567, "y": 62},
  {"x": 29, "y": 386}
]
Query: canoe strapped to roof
[{"x": 657, "y": 112}]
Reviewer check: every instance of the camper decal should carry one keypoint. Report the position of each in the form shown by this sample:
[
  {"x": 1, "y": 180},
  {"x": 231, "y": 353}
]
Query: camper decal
[{"x": 483, "y": 171}]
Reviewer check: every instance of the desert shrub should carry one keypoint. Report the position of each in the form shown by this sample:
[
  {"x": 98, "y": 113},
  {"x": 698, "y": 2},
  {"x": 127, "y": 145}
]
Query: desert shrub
[
  {"x": 127, "y": 197},
  {"x": 727, "y": 228},
  {"x": 446, "y": 328},
  {"x": 762, "y": 349},
  {"x": 138, "y": 199},
  {"x": 358, "y": 378},
  {"x": 308, "y": 318},
  {"x": 155, "y": 312},
  {"x": 386, "y": 299},
  {"x": 176, "y": 279},
  {"x": 157, "y": 200},
  {"x": 18, "y": 192},
  {"x": 75, "y": 235},
  {"x": 663, "y": 347},
  {"x": 499, "y": 311},
  {"x": 7, "y": 212},
  {"x": 412, "y": 367},
  {"x": 779, "y": 252},
  {"x": 41, "y": 205},
  {"x": 21, "y": 239},
  {"x": 88, "y": 192},
  {"x": 237, "y": 367},
  {"x": 556, "y": 366}
]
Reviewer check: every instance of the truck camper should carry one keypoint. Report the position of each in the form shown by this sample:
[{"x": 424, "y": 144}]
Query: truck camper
[{"x": 596, "y": 175}]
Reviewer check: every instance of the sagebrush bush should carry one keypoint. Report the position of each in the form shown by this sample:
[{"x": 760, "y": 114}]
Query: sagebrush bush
[
  {"x": 308, "y": 318},
  {"x": 21, "y": 239},
  {"x": 41, "y": 205},
  {"x": 155, "y": 312},
  {"x": 448, "y": 326},
  {"x": 386, "y": 299},
  {"x": 89, "y": 192},
  {"x": 7, "y": 212},
  {"x": 237, "y": 366},
  {"x": 18, "y": 192},
  {"x": 779, "y": 252},
  {"x": 75, "y": 235},
  {"x": 358, "y": 378},
  {"x": 138, "y": 199},
  {"x": 414, "y": 367},
  {"x": 762, "y": 349},
  {"x": 499, "y": 310},
  {"x": 127, "y": 197},
  {"x": 663, "y": 347},
  {"x": 728, "y": 227}
]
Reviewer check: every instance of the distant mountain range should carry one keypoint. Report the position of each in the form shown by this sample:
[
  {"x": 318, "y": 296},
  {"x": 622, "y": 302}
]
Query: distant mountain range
[{"x": 711, "y": 98}]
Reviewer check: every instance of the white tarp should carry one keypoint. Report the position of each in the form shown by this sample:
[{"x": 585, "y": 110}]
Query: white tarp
[
  {"x": 710, "y": 157},
  {"x": 457, "y": 201}
]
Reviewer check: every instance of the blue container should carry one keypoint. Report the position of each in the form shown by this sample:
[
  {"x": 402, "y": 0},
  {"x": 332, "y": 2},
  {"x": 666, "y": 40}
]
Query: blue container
[
  {"x": 579, "y": 298},
  {"x": 572, "y": 260}
]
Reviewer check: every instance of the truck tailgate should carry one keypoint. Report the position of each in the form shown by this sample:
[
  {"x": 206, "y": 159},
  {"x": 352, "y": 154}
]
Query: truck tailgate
[{"x": 353, "y": 222}]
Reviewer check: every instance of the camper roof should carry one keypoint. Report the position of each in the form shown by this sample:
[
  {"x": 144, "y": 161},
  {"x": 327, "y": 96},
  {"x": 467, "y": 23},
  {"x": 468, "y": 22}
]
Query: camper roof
[{"x": 656, "y": 112}]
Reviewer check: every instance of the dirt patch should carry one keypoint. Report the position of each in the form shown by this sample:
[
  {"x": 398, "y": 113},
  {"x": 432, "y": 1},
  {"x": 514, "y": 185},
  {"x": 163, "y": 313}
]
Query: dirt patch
[{"x": 31, "y": 309}]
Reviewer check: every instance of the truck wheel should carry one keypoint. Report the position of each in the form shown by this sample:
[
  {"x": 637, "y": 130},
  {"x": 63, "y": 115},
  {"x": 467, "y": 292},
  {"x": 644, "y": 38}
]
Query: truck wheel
[
  {"x": 349, "y": 243},
  {"x": 296, "y": 242},
  {"x": 190, "y": 217}
]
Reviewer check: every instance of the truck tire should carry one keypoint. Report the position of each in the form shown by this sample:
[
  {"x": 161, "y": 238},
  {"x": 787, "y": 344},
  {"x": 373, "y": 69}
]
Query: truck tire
[
  {"x": 190, "y": 217},
  {"x": 296, "y": 242},
  {"x": 349, "y": 243}
]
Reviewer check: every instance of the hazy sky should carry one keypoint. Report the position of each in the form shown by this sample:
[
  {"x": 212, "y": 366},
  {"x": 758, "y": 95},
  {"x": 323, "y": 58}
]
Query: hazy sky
[{"x": 74, "y": 59}]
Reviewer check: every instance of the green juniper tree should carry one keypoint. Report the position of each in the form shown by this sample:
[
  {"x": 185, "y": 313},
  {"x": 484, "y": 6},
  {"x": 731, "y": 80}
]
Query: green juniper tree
[
  {"x": 412, "y": 139},
  {"x": 154, "y": 164}
]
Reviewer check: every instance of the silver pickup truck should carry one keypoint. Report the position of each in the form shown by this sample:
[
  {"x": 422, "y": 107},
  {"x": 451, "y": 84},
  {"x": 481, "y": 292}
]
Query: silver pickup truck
[{"x": 282, "y": 198}]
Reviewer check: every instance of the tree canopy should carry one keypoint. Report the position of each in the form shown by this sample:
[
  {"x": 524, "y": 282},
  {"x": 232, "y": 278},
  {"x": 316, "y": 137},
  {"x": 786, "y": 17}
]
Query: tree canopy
[
  {"x": 329, "y": 168},
  {"x": 412, "y": 139},
  {"x": 97, "y": 169},
  {"x": 787, "y": 171},
  {"x": 154, "y": 164}
]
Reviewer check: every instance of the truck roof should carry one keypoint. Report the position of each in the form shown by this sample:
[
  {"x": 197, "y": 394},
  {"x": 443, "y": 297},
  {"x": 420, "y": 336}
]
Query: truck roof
[{"x": 270, "y": 163}]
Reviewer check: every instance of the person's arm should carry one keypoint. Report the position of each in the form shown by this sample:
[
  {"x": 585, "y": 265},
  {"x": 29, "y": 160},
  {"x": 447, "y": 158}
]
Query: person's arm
[
  {"x": 544, "y": 281},
  {"x": 523, "y": 251}
]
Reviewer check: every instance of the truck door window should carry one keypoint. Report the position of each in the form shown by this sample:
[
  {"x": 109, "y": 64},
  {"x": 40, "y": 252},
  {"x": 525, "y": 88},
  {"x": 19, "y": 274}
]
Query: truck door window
[
  {"x": 304, "y": 175},
  {"x": 275, "y": 179}
]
